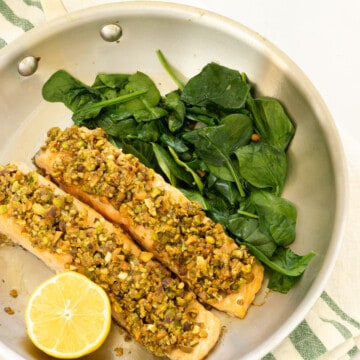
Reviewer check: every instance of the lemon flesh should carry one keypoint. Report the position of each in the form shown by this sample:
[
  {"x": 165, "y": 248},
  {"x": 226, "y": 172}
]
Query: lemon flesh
[{"x": 68, "y": 316}]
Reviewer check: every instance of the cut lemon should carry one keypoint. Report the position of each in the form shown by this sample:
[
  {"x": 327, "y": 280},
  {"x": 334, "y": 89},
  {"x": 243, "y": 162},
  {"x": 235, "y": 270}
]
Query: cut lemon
[{"x": 68, "y": 316}]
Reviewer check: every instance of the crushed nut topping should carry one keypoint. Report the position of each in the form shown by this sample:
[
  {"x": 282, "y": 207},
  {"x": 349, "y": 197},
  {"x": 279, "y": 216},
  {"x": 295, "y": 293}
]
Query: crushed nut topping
[
  {"x": 13, "y": 293},
  {"x": 119, "y": 351},
  {"x": 201, "y": 252},
  {"x": 9, "y": 310},
  {"x": 153, "y": 305}
]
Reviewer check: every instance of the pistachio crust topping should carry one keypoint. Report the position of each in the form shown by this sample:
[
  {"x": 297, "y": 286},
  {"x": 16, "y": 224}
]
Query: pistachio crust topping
[
  {"x": 154, "y": 306},
  {"x": 199, "y": 249}
]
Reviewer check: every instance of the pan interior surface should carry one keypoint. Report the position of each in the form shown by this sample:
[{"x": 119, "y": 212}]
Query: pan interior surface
[{"x": 189, "y": 38}]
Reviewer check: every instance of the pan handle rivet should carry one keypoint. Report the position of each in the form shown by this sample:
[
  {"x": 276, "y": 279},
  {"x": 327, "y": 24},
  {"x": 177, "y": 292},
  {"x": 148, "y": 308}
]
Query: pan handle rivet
[
  {"x": 111, "y": 32},
  {"x": 28, "y": 65}
]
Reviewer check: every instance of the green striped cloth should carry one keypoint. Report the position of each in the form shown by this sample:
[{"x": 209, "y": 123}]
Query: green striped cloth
[
  {"x": 17, "y": 16},
  {"x": 328, "y": 332}
]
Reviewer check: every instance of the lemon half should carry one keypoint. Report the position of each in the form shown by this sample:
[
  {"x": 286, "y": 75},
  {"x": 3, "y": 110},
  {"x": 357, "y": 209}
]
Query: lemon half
[{"x": 68, "y": 316}]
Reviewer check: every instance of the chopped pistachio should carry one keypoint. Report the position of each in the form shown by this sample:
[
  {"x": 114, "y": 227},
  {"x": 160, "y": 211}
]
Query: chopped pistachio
[
  {"x": 181, "y": 233},
  {"x": 146, "y": 256},
  {"x": 3, "y": 209},
  {"x": 139, "y": 288},
  {"x": 38, "y": 209},
  {"x": 108, "y": 257}
]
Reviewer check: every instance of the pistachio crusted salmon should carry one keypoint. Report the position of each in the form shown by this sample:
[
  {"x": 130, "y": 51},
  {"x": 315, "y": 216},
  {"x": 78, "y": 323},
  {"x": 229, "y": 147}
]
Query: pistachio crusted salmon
[
  {"x": 152, "y": 304},
  {"x": 156, "y": 214}
]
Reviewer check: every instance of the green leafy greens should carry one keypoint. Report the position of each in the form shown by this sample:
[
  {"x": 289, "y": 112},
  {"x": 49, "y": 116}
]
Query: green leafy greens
[{"x": 210, "y": 138}]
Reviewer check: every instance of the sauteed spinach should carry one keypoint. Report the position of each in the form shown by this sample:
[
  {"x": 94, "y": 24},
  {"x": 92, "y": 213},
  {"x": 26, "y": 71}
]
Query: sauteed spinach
[{"x": 213, "y": 140}]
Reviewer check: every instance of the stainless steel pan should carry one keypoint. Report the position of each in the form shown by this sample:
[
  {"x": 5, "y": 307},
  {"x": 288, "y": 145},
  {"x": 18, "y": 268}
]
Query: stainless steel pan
[{"x": 190, "y": 38}]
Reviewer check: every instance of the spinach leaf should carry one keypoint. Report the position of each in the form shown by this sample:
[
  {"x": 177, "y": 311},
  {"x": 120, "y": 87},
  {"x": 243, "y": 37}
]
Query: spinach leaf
[
  {"x": 112, "y": 81},
  {"x": 149, "y": 113},
  {"x": 284, "y": 260},
  {"x": 263, "y": 166},
  {"x": 175, "y": 142},
  {"x": 219, "y": 210},
  {"x": 272, "y": 122},
  {"x": 238, "y": 128},
  {"x": 215, "y": 144},
  {"x": 92, "y": 110},
  {"x": 165, "y": 163},
  {"x": 225, "y": 188},
  {"x": 287, "y": 259},
  {"x": 169, "y": 70},
  {"x": 202, "y": 120},
  {"x": 202, "y": 115},
  {"x": 121, "y": 129},
  {"x": 277, "y": 216},
  {"x": 282, "y": 283},
  {"x": 114, "y": 114},
  {"x": 248, "y": 230},
  {"x": 142, "y": 150},
  {"x": 222, "y": 172},
  {"x": 176, "y": 109},
  {"x": 216, "y": 86},
  {"x": 141, "y": 82},
  {"x": 169, "y": 167},
  {"x": 109, "y": 85},
  {"x": 197, "y": 181},
  {"x": 138, "y": 97},
  {"x": 63, "y": 87},
  {"x": 148, "y": 132},
  {"x": 87, "y": 102},
  {"x": 194, "y": 195}
]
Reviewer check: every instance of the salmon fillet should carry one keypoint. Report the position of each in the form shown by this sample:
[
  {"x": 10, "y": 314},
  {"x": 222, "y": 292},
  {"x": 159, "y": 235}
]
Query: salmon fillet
[
  {"x": 157, "y": 215},
  {"x": 152, "y": 304}
]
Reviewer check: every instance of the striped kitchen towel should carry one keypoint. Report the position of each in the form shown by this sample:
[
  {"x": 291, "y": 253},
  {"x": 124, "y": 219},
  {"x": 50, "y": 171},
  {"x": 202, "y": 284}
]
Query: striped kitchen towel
[
  {"x": 17, "y": 16},
  {"x": 331, "y": 330},
  {"x": 326, "y": 333}
]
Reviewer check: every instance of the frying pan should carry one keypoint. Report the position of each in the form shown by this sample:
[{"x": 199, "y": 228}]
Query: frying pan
[{"x": 190, "y": 38}]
